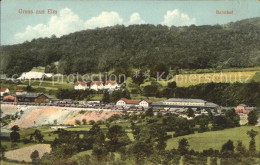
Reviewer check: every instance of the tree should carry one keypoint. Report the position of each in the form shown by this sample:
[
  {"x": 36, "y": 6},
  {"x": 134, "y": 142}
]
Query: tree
[
  {"x": 34, "y": 156},
  {"x": 252, "y": 117},
  {"x": 14, "y": 135},
  {"x": 172, "y": 85},
  {"x": 183, "y": 147},
  {"x": 149, "y": 112},
  {"x": 241, "y": 150},
  {"x": 252, "y": 134},
  {"x": 219, "y": 122},
  {"x": 228, "y": 146},
  {"x": 92, "y": 122},
  {"x": 232, "y": 118},
  {"x": 106, "y": 97},
  {"x": 139, "y": 78},
  {"x": 29, "y": 88},
  {"x": 190, "y": 112},
  {"x": 159, "y": 70},
  {"x": 99, "y": 149},
  {"x": 37, "y": 136},
  {"x": 77, "y": 122},
  {"x": 15, "y": 128},
  {"x": 84, "y": 121},
  {"x": 117, "y": 137}
]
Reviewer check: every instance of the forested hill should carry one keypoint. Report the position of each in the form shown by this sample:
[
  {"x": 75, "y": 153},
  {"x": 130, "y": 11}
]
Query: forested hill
[{"x": 232, "y": 45}]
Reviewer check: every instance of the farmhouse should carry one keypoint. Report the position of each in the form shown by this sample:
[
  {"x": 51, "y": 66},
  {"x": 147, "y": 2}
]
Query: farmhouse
[
  {"x": 33, "y": 97},
  {"x": 242, "y": 108},
  {"x": 123, "y": 102},
  {"x": 111, "y": 85},
  {"x": 96, "y": 85},
  {"x": 4, "y": 91},
  {"x": 80, "y": 85}
]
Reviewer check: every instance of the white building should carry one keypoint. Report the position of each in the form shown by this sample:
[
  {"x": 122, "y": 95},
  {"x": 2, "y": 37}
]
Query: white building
[
  {"x": 4, "y": 91},
  {"x": 145, "y": 103},
  {"x": 31, "y": 75},
  {"x": 48, "y": 75},
  {"x": 20, "y": 92},
  {"x": 96, "y": 85},
  {"x": 123, "y": 102},
  {"x": 111, "y": 85},
  {"x": 80, "y": 85},
  {"x": 185, "y": 102}
]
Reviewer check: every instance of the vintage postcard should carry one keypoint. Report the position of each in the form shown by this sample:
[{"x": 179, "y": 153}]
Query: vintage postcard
[{"x": 152, "y": 82}]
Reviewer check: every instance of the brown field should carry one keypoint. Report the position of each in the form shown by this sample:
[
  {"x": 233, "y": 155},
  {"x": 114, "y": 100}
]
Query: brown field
[{"x": 23, "y": 154}]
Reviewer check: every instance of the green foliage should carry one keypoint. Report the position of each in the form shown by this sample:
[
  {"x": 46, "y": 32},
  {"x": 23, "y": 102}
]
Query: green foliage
[
  {"x": 225, "y": 94},
  {"x": 117, "y": 137},
  {"x": 229, "y": 120},
  {"x": 34, "y": 155},
  {"x": 252, "y": 117},
  {"x": 77, "y": 122},
  {"x": 106, "y": 98},
  {"x": 139, "y": 78},
  {"x": 228, "y": 146},
  {"x": 37, "y": 135},
  {"x": 190, "y": 112},
  {"x": 159, "y": 70},
  {"x": 252, "y": 134},
  {"x": 14, "y": 135},
  {"x": 183, "y": 147},
  {"x": 138, "y": 45}
]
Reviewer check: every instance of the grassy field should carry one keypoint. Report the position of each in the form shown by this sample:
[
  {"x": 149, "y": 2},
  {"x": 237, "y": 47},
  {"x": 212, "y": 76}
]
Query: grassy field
[
  {"x": 185, "y": 80},
  {"x": 215, "y": 139}
]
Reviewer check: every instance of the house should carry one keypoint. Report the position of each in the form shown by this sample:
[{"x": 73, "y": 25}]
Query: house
[
  {"x": 123, "y": 102},
  {"x": 80, "y": 85},
  {"x": 145, "y": 103},
  {"x": 96, "y": 85},
  {"x": 111, "y": 85},
  {"x": 242, "y": 108},
  {"x": 20, "y": 92},
  {"x": 34, "y": 97},
  {"x": 4, "y": 91}
]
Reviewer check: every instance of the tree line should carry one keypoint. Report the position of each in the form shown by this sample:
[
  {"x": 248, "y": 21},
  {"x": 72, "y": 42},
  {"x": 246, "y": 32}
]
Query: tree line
[{"x": 137, "y": 46}]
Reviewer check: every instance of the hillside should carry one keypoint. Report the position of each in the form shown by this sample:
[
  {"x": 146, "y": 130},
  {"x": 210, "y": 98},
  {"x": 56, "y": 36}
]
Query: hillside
[{"x": 137, "y": 46}]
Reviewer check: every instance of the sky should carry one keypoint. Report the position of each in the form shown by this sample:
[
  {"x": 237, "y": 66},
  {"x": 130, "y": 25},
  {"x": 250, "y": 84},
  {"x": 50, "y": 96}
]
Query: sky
[{"x": 79, "y": 15}]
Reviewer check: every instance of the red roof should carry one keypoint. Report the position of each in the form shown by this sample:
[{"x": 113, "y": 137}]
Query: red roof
[
  {"x": 148, "y": 101},
  {"x": 130, "y": 101},
  {"x": 9, "y": 97},
  {"x": 19, "y": 90},
  {"x": 110, "y": 82},
  {"x": 82, "y": 83},
  {"x": 98, "y": 83},
  {"x": 3, "y": 89}
]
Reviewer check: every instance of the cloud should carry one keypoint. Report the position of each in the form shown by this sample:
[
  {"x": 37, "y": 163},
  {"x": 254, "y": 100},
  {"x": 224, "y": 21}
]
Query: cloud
[
  {"x": 66, "y": 22},
  {"x": 135, "y": 19},
  {"x": 177, "y": 18},
  {"x": 103, "y": 20}
]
